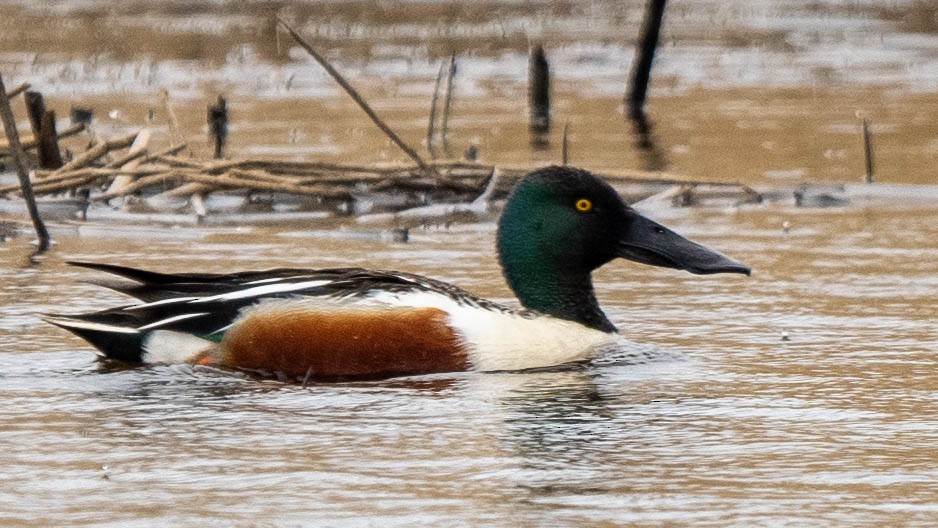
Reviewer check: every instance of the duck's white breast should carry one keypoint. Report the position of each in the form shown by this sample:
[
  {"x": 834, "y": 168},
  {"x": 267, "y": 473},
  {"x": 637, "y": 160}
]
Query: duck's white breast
[{"x": 505, "y": 340}]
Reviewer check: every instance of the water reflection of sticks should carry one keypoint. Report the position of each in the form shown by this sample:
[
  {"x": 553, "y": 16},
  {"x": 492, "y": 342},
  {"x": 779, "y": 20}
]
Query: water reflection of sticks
[{"x": 654, "y": 158}]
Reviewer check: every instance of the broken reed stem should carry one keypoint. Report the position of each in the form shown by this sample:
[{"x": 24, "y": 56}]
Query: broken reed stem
[
  {"x": 431, "y": 126},
  {"x": 447, "y": 100},
  {"x": 9, "y": 124},
  {"x": 357, "y": 98}
]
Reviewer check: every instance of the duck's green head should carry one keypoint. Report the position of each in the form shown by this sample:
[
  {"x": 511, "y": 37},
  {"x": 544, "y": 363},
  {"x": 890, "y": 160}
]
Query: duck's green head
[{"x": 561, "y": 223}]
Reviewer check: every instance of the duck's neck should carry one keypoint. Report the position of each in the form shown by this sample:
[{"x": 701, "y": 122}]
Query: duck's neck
[{"x": 552, "y": 292}]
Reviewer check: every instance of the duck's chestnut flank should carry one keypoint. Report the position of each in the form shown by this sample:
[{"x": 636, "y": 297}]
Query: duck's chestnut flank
[{"x": 342, "y": 344}]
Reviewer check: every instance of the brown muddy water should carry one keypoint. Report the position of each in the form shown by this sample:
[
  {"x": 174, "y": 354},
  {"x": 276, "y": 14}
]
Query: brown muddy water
[{"x": 805, "y": 395}]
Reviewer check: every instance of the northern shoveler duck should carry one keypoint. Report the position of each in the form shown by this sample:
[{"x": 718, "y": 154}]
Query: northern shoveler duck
[{"x": 559, "y": 224}]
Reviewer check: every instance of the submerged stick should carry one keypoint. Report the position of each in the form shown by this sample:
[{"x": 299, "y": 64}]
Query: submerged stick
[
  {"x": 356, "y": 97},
  {"x": 9, "y": 124},
  {"x": 641, "y": 69}
]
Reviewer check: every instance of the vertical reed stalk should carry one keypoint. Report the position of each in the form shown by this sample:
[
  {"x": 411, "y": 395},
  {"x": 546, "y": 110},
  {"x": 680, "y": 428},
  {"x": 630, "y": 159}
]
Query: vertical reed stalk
[
  {"x": 431, "y": 126},
  {"x": 868, "y": 150},
  {"x": 444, "y": 129}
]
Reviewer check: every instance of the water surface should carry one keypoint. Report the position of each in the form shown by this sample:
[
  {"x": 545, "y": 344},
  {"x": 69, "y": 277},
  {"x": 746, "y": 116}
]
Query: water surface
[{"x": 804, "y": 395}]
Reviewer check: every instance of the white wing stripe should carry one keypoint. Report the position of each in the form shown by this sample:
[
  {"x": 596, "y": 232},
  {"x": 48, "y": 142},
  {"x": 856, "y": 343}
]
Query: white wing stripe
[
  {"x": 259, "y": 291},
  {"x": 173, "y": 319},
  {"x": 267, "y": 281},
  {"x": 160, "y": 302}
]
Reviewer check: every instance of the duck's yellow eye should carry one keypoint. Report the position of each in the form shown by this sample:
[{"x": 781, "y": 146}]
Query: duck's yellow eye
[{"x": 583, "y": 205}]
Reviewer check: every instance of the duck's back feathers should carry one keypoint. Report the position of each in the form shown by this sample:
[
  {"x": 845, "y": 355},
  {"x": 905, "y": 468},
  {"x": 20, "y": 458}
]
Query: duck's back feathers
[
  {"x": 206, "y": 306},
  {"x": 151, "y": 286}
]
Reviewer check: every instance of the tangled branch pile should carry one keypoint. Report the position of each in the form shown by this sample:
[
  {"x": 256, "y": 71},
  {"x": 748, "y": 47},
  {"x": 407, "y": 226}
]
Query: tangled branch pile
[{"x": 123, "y": 167}]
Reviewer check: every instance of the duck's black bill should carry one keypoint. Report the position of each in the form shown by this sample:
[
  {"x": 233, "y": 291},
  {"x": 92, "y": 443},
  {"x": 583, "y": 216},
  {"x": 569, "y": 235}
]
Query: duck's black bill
[{"x": 649, "y": 242}]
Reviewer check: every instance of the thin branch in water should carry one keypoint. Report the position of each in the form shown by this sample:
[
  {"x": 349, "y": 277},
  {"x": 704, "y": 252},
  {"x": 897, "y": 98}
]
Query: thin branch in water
[
  {"x": 16, "y": 150},
  {"x": 446, "y": 104},
  {"x": 431, "y": 126},
  {"x": 357, "y": 98}
]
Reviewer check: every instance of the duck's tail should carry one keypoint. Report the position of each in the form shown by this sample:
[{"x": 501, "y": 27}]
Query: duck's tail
[
  {"x": 122, "y": 339},
  {"x": 115, "y": 341}
]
